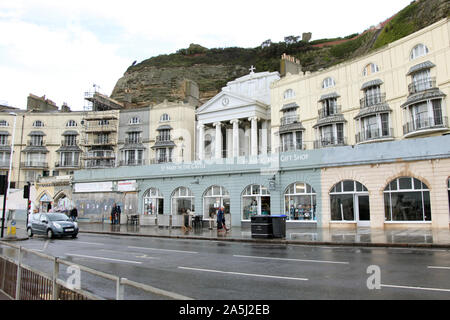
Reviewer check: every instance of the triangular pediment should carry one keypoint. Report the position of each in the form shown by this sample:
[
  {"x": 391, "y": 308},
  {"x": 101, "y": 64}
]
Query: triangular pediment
[{"x": 227, "y": 101}]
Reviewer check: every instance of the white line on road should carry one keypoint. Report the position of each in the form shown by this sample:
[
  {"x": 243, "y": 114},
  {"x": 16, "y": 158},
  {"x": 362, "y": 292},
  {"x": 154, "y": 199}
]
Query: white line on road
[
  {"x": 244, "y": 274},
  {"x": 157, "y": 249},
  {"x": 103, "y": 258},
  {"x": 286, "y": 259},
  {"x": 414, "y": 288},
  {"x": 94, "y": 243},
  {"x": 435, "y": 267}
]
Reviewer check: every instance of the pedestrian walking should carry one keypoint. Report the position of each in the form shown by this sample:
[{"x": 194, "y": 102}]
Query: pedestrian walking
[
  {"x": 118, "y": 212},
  {"x": 221, "y": 219},
  {"x": 74, "y": 214},
  {"x": 113, "y": 213}
]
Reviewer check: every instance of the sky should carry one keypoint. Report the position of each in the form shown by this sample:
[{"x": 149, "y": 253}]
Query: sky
[{"x": 61, "y": 49}]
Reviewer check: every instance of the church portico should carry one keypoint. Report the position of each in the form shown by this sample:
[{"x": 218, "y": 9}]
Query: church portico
[{"x": 236, "y": 122}]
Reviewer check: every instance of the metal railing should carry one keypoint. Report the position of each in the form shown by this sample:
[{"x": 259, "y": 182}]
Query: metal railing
[
  {"x": 287, "y": 147},
  {"x": 133, "y": 140},
  {"x": 422, "y": 85},
  {"x": 23, "y": 282},
  {"x": 374, "y": 134},
  {"x": 163, "y": 138},
  {"x": 289, "y": 119},
  {"x": 330, "y": 142},
  {"x": 133, "y": 162},
  {"x": 99, "y": 164},
  {"x": 4, "y": 163},
  {"x": 34, "y": 164},
  {"x": 67, "y": 164},
  {"x": 329, "y": 111},
  {"x": 372, "y": 100},
  {"x": 424, "y": 123}
]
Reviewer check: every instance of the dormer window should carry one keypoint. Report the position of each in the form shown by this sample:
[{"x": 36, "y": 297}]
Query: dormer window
[
  {"x": 71, "y": 123},
  {"x": 328, "y": 83},
  {"x": 135, "y": 120},
  {"x": 164, "y": 117},
  {"x": 289, "y": 94},
  {"x": 369, "y": 69},
  {"x": 419, "y": 50},
  {"x": 38, "y": 124}
]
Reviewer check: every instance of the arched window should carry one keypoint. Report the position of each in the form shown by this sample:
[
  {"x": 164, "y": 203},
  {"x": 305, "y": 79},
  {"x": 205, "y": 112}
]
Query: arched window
[
  {"x": 164, "y": 117},
  {"x": 71, "y": 123},
  {"x": 288, "y": 94},
  {"x": 419, "y": 50},
  {"x": 255, "y": 201},
  {"x": 300, "y": 202},
  {"x": 135, "y": 120},
  {"x": 153, "y": 202},
  {"x": 407, "y": 199},
  {"x": 369, "y": 69},
  {"x": 3, "y": 123},
  {"x": 38, "y": 124},
  {"x": 213, "y": 198},
  {"x": 328, "y": 83},
  {"x": 349, "y": 201},
  {"x": 182, "y": 201}
]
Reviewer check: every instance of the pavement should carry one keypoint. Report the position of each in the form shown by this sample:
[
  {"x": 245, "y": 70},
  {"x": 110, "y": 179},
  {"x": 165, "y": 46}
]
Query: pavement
[{"x": 362, "y": 237}]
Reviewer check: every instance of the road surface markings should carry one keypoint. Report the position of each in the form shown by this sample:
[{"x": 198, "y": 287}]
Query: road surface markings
[
  {"x": 94, "y": 243},
  {"x": 286, "y": 259},
  {"x": 244, "y": 274},
  {"x": 157, "y": 249},
  {"x": 414, "y": 288},
  {"x": 102, "y": 258},
  {"x": 435, "y": 267}
]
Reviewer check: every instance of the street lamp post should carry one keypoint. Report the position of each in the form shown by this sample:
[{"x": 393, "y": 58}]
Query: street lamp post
[{"x": 8, "y": 184}]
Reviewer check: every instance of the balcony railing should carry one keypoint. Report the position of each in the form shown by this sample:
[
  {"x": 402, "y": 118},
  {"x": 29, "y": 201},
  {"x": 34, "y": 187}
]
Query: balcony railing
[
  {"x": 67, "y": 164},
  {"x": 4, "y": 163},
  {"x": 100, "y": 164},
  {"x": 289, "y": 119},
  {"x": 161, "y": 160},
  {"x": 329, "y": 111},
  {"x": 101, "y": 127},
  {"x": 35, "y": 143},
  {"x": 34, "y": 164},
  {"x": 369, "y": 135},
  {"x": 132, "y": 162},
  {"x": 425, "y": 123},
  {"x": 372, "y": 99},
  {"x": 133, "y": 140},
  {"x": 162, "y": 138},
  {"x": 330, "y": 142},
  {"x": 422, "y": 85},
  {"x": 287, "y": 147},
  {"x": 65, "y": 143}
]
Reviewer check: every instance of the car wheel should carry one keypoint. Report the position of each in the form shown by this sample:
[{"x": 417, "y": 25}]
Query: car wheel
[
  {"x": 49, "y": 233},
  {"x": 29, "y": 232}
]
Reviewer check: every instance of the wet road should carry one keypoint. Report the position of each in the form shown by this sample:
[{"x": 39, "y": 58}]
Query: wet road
[{"x": 242, "y": 271}]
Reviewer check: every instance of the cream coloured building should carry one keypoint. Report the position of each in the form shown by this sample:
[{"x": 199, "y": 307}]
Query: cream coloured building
[{"x": 400, "y": 91}]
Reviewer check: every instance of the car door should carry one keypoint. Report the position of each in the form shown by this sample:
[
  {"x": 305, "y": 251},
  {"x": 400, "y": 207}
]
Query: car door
[
  {"x": 42, "y": 226},
  {"x": 35, "y": 223}
]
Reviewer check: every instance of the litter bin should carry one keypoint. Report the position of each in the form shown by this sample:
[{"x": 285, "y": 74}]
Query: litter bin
[
  {"x": 279, "y": 226},
  {"x": 268, "y": 227}
]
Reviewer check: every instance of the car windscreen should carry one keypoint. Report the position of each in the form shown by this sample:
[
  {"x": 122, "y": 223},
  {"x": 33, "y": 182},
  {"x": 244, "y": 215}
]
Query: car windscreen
[{"x": 57, "y": 217}]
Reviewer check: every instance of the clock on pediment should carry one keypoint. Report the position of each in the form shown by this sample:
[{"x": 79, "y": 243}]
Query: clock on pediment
[{"x": 225, "y": 101}]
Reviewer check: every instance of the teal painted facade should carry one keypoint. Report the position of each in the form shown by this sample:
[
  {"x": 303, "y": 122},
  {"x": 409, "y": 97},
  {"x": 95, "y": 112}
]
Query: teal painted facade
[{"x": 235, "y": 174}]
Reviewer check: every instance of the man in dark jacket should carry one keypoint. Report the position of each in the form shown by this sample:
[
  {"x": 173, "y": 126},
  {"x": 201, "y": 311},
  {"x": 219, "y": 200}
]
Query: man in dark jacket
[{"x": 74, "y": 214}]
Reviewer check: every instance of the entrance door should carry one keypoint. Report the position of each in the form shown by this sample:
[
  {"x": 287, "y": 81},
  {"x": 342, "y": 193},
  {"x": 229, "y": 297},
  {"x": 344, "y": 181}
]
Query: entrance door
[{"x": 363, "y": 214}]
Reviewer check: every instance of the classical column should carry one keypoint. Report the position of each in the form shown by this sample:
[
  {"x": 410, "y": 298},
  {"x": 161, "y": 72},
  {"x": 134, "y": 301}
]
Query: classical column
[
  {"x": 264, "y": 136},
  {"x": 201, "y": 141},
  {"x": 254, "y": 136},
  {"x": 218, "y": 139},
  {"x": 235, "y": 124}
]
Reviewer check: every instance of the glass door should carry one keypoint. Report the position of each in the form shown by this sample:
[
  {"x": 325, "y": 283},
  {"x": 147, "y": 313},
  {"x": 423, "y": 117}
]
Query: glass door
[{"x": 363, "y": 214}]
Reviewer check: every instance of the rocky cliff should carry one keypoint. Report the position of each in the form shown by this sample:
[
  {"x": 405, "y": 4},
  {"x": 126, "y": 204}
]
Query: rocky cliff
[{"x": 164, "y": 77}]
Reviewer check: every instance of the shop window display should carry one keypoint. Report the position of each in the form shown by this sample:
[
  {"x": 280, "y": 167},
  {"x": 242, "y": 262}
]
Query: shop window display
[{"x": 300, "y": 202}]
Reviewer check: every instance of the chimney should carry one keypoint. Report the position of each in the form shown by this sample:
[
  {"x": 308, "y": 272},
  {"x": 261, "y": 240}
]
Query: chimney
[{"x": 289, "y": 64}]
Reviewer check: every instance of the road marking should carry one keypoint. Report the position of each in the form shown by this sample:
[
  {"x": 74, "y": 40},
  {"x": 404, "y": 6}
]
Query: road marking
[
  {"x": 435, "y": 267},
  {"x": 103, "y": 258},
  {"x": 414, "y": 288},
  {"x": 244, "y": 274},
  {"x": 286, "y": 259},
  {"x": 179, "y": 251},
  {"x": 94, "y": 243}
]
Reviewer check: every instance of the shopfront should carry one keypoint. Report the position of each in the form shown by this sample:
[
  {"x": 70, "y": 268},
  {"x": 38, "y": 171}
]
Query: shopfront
[
  {"x": 182, "y": 201},
  {"x": 300, "y": 202},
  {"x": 255, "y": 201},
  {"x": 153, "y": 202}
]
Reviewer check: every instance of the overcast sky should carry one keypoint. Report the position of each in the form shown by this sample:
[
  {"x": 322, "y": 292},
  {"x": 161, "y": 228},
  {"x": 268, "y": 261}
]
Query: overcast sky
[{"x": 61, "y": 48}]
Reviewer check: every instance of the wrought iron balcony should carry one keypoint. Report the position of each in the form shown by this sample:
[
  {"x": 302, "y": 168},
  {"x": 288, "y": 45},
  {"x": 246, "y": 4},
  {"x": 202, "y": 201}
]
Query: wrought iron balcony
[
  {"x": 375, "y": 134},
  {"x": 289, "y": 119},
  {"x": 329, "y": 111},
  {"x": 132, "y": 162},
  {"x": 34, "y": 164},
  {"x": 425, "y": 123},
  {"x": 331, "y": 141},
  {"x": 372, "y": 100},
  {"x": 67, "y": 164},
  {"x": 100, "y": 164},
  {"x": 422, "y": 85},
  {"x": 288, "y": 147}
]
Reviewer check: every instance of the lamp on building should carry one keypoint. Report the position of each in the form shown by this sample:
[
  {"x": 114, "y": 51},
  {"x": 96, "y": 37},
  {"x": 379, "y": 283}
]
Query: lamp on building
[{"x": 272, "y": 183}]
